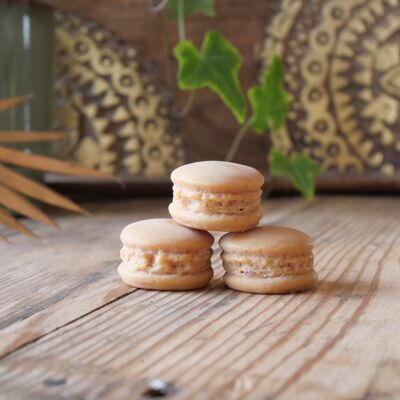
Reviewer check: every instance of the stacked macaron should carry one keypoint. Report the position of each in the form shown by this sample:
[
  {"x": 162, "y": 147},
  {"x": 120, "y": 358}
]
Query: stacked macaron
[
  {"x": 165, "y": 254},
  {"x": 217, "y": 196},
  {"x": 161, "y": 254}
]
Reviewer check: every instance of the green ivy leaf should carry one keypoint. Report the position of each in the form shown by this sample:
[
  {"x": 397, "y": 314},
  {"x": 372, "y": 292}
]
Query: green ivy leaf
[
  {"x": 192, "y": 7},
  {"x": 300, "y": 169},
  {"x": 215, "y": 67},
  {"x": 270, "y": 101}
]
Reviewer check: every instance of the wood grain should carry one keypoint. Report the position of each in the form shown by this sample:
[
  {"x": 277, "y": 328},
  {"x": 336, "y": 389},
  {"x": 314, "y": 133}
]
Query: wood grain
[
  {"x": 63, "y": 294},
  {"x": 69, "y": 328}
]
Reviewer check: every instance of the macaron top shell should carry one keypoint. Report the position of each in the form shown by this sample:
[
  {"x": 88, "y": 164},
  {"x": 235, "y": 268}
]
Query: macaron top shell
[
  {"x": 165, "y": 234},
  {"x": 268, "y": 241},
  {"x": 219, "y": 176}
]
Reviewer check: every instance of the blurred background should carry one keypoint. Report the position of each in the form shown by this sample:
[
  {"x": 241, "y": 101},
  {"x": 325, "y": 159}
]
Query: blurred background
[{"x": 104, "y": 73}]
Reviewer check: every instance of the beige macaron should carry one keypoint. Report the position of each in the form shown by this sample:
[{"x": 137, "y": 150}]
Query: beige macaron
[
  {"x": 268, "y": 259},
  {"x": 160, "y": 254},
  {"x": 217, "y": 196}
]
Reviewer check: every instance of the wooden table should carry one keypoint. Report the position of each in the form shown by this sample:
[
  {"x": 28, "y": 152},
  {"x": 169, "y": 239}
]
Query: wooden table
[{"x": 70, "y": 329}]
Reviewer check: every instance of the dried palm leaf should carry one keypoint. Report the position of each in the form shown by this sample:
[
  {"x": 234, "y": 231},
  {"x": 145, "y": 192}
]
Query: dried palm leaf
[
  {"x": 36, "y": 190},
  {"x": 14, "y": 186},
  {"x": 17, "y": 136},
  {"x": 13, "y": 101},
  {"x": 15, "y": 202},
  {"x": 32, "y": 161},
  {"x": 8, "y": 220}
]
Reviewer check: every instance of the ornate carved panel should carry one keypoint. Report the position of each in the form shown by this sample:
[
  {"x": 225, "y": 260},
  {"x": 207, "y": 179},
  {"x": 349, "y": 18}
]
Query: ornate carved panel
[
  {"x": 342, "y": 60},
  {"x": 342, "y": 69},
  {"x": 108, "y": 102}
]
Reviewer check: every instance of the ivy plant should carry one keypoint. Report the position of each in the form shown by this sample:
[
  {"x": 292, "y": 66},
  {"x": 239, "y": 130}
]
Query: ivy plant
[
  {"x": 269, "y": 101},
  {"x": 191, "y": 7},
  {"x": 300, "y": 168},
  {"x": 216, "y": 66}
]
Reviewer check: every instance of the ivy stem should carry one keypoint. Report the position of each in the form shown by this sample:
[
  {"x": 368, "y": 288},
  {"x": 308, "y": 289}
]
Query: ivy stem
[
  {"x": 166, "y": 48},
  {"x": 188, "y": 105},
  {"x": 181, "y": 21},
  {"x": 159, "y": 7},
  {"x": 238, "y": 139}
]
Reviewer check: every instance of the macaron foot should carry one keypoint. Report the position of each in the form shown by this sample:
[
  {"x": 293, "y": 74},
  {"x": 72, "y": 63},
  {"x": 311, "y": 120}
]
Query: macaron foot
[
  {"x": 216, "y": 222},
  {"x": 173, "y": 282},
  {"x": 275, "y": 285}
]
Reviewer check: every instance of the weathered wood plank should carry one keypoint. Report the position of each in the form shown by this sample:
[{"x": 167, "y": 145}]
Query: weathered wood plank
[
  {"x": 49, "y": 283},
  {"x": 337, "y": 341},
  {"x": 66, "y": 274}
]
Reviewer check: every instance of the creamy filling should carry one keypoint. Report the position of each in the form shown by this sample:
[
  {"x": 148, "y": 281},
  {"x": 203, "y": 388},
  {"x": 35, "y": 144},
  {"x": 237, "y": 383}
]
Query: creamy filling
[
  {"x": 218, "y": 203},
  {"x": 162, "y": 262},
  {"x": 267, "y": 266}
]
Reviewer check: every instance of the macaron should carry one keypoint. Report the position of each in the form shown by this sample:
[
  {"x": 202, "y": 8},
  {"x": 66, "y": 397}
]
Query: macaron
[
  {"x": 217, "y": 196},
  {"x": 268, "y": 259},
  {"x": 160, "y": 254}
]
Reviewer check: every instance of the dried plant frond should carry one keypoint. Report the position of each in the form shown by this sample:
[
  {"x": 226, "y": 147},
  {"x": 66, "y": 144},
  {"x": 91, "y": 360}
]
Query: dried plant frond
[
  {"x": 14, "y": 186},
  {"x": 18, "y": 136},
  {"x": 36, "y": 190},
  {"x": 8, "y": 220},
  {"x": 32, "y": 161},
  {"x": 13, "y": 101},
  {"x": 14, "y": 201}
]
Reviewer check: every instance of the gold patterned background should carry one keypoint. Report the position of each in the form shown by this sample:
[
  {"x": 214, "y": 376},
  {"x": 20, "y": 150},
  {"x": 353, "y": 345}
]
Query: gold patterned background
[
  {"x": 342, "y": 63},
  {"x": 109, "y": 104},
  {"x": 342, "y": 69}
]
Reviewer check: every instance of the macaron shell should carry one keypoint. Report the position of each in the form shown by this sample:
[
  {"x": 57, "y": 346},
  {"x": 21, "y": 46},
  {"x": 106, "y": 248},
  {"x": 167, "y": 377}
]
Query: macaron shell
[
  {"x": 165, "y": 234},
  {"x": 173, "y": 282},
  {"x": 219, "y": 176},
  {"x": 276, "y": 285},
  {"x": 215, "y": 222},
  {"x": 268, "y": 240}
]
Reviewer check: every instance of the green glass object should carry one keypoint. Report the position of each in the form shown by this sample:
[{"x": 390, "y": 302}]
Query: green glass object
[{"x": 26, "y": 67}]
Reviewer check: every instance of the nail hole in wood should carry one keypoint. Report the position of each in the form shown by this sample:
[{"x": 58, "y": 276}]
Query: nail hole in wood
[
  {"x": 55, "y": 381},
  {"x": 159, "y": 388}
]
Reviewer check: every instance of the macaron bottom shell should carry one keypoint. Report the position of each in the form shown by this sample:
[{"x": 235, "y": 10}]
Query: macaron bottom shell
[
  {"x": 275, "y": 285},
  {"x": 215, "y": 222},
  {"x": 173, "y": 282}
]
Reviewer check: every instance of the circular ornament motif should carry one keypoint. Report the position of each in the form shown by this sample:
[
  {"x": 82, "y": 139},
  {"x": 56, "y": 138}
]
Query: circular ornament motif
[
  {"x": 342, "y": 68},
  {"x": 118, "y": 120}
]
